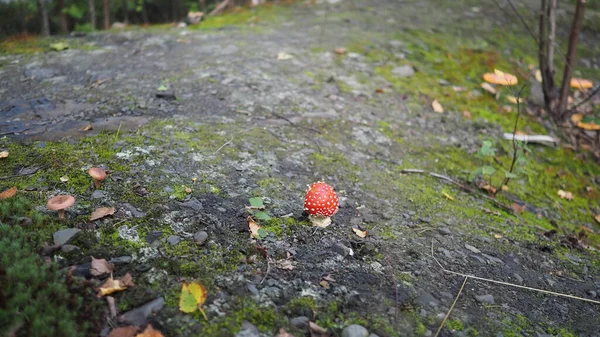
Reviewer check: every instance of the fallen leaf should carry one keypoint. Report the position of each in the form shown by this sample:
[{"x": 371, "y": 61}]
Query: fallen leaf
[
  {"x": 324, "y": 284},
  {"x": 9, "y": 193},
  {"x": 498, "y": 236},
  {"x": 597, "y": 217},
  {"x": 505, "y": 188},
  {"x": 285, "y": 264},
  {"x": 507, "y": 108},
  {"x": 150, "y": 332},
  {"x": 488, "y": 87},
  {"x": 87, "y": 128},
  {"x": 328, "y": 278},
  {"x": 3, "y": 154},
  {"x": 467, "y": 114},
  {"x": 283, "y": 56},
  {"x": 111, "y": 285},
  {"x": 125, "y": 331},
  {"x": 488, "y": 187},
  {"x": 316, "y": 331},
  {"x": 192, "y": 297},
  {"x": 591, "y": 126},
  {"x": 538, "y": 75},
  {"x": 100, "y": 267},
  {"x": 360, "y": 233},
  {"x": 580, "y": 83},
  {"x": 514, "y": 100},
  {"x": 101, "y": 212},
  {"x": 437, "y": 107},
  {"x": 379, "y": 91},
  {"x": 500, "y": 77},
  {"x": 253, "y": 227},
  {"x": 59, "y": 46},
  {"x": 340, "y": 50},
  {"x": 283, "y": 333},
  {"x": 565, "y": 195},
  {"x": 518, "y": 208},
  {"x": 447, "y": 196}
]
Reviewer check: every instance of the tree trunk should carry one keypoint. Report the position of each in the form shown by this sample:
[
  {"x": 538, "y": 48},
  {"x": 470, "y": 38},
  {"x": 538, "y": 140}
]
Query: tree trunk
[
  {"x": 106, "y": 9},
  {"x": 175, "y": 5},
  {"x": 561, "y": 110},
  {"x": 202, "y": 6},
  {"x": 62, "y": 17},
  {"x": 145, "y": 13},
  {"x": 125, "y": 11},
  {"x": 547, "y": 79},
  {"x": 552, "y": 37},
  {"x": 45, "y": 22},
  {"x": 92, "y": 10}
]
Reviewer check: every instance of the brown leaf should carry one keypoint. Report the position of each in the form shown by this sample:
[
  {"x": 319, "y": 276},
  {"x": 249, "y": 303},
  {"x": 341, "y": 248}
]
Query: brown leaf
[
  {"x": 328, "y": 278},
  {"x": 379, "y": 90},
  {"x": 253, "y": 226},
  {"x": 285, "y": 265},
  {"x": 125, "y": 331},
  {"x": 283, "y": 333},
  {"x": 437, "y": 107},
  {"x": 360, "y": 233},
  {"x": 100, "y": 267},
  {"x": 150, "y": 332},
  {"x": 340, "y": 50},
  {"x": 518, "y": 208},
  {"x": 324, "y": 284},
  {"x": 3, "y": 154},
  {"x": 87, "y": 128},
  {"x": 597, "y": 217},
  {"x": 111, "y": 285},
  {"x": 565, "y": 195},
  {"x": 316, "y": 331},
  {"x": 9, "y": 193},
  {"x": 514, "y": 100},
  {"x": 101, "y": 212},
  {"x": 188, "y": 190}
]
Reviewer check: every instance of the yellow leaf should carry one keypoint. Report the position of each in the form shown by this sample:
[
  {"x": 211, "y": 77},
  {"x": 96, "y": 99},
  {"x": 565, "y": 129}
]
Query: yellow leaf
[
  {"x": 437, "y": 107},
  {"x": 87, "y": 128},
  {"x": 192, "y": 297},
  {"x": 360, "y": 233},
  {"x": 253, "y": 226},
  {"x": 488, "y": 87},
  {"x": 565, "y": 195},
  {"x": 514, "y": 100},
  {"x": 3, "y": 154},
  {"x": 101, "y": 213},
  {"x": 64, "y": 179},
  {"x": 498, "y": 236},
  {"x": 111, "y": 285},
  {"x": 324, "y": 284},
  {"x": 538, "y": 76},
  {"x": 447, "y": 196},
  {"x": 283, "y": 56},
  {"x": 9, "y": 193}
]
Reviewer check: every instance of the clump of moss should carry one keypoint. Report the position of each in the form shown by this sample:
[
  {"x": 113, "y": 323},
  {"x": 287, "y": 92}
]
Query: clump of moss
[{"x": 38, "y": 299}]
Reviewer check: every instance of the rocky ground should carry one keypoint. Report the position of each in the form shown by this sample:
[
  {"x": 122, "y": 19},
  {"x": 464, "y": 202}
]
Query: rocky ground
[{"x": 192, "y": 123}]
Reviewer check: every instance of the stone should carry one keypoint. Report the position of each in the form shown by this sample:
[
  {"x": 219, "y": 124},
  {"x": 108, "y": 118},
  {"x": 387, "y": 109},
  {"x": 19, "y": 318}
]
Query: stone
[
  {"x": 193, "y": 203},
  {"x": 139, "y": 316},
  {"x": 300, "y": 322},
  {"x": 355, "y": 330},
  {"x": 487, "y": 299},
  {"x": 69, "y": 248},
  {"x": 473, "y": 249},
  {"x": 136, "y": 213},
  {"x": 252, "y": 289},
  {"x": 173, "y": 240},
  {"x": 200, "y": 237},
  {"x": 248, "y": 330},
  {"x": 403, "y": 71},
  {"x": 63, "y": 236},
  {"x": 121, "y": 260},
  {"x": 97, "y": 194},
  {"x": 444, "y": 231}
]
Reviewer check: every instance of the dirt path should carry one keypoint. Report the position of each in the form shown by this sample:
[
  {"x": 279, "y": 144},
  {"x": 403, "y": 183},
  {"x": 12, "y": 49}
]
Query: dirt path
[{"x": 232, "y": 121}]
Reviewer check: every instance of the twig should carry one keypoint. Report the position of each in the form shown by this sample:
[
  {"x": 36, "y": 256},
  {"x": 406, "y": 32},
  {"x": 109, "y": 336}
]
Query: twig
[
  {"x": 118, "y": 130},
  {"x": 24, "y": 175},
  {"x": 389, "y": 265},
  {"x": 268, "y": 270},
  {"x": 220, "y": 7},
  {"x": 294, "y": 124},
  {"x": 451, "y": 307},
  {"x": 222, "y": 146},
  {"x": 585, "y": 100},
  {"x": 510, "y": 284}
]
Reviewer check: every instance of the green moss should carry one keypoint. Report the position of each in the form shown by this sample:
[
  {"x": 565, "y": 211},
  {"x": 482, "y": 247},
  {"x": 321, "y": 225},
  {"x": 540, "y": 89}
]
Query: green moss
[
  {"x": 251, "y": 17},
  {"x": 35, "y": 44},
  {"x": 455, "y": 325},
  {"x": 266, "y": 319}
]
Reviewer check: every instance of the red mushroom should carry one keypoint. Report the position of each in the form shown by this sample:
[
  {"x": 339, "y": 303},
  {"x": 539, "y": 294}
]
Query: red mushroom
[
  {"x": 98, "y": 174},
  {"x": 60, "y": 203},
  {"x": 321, "y": 203}
]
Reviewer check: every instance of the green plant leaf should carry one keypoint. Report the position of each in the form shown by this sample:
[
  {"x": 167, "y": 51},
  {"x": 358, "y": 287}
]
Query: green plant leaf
[
  {"x": 261, "y": 234},
  {"x": 487, "y": 170},
  {"x": 476, "y": 172},
  {"x": 256, "y": 202},
  {"x": 486, "y": 149},
  {"x": 262, "y": 216},
  {"x": 162, "y": 88},
  {"x": 510, "y": 175},
  {"x": 59, "y": 46}
]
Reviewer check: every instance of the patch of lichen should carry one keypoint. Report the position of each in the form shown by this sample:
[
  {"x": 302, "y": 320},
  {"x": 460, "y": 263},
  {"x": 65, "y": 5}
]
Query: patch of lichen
[{"x": 241, "y": 17}]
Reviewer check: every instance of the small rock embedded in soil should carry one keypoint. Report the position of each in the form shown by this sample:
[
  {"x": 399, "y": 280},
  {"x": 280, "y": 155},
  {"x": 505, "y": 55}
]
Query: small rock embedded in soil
[
  {"x": 473, "y": 249},
  {"x": 487, "y": 299},
  {"x": 403, "y": 71},
  {"x": 193, "y": 203},
  {"x": 97, "y": 194},
  {"x": 444, "y": 231},
  {"x": 248, "y": 330},
  {"x": 252, "y": 289},
  {"x": 65, "y": 235},
  {"x": 120, "y": 260},
  {"x": 355, "y": 330},
  {"x": 140, "y": 315},
  {"x": 173, "y": 240},
  {"x": 69, "y": 248},
  {"x": 200, "y": 237},
  {"x": 300, "y": 321}
]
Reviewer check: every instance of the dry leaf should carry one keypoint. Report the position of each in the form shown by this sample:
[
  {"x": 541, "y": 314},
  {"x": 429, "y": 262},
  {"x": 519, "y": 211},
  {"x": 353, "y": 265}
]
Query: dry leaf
[
  {"x": 253, "y": 227},
  {"x": 193, "y": 296},
  {"x": 328, "y": 278},
  {"x": 283, "y": 56},
  {"x": 467, "y": 114},
  {"x": 565, "y": 195},
  {"x": 514, "y": 100},
  {"x": 285, "y": 265},
  {"x": 125, "y": 331},
  {"x": 518, "y": 208},
  {"x": 504, "y": 188},
  {"x": 597, "y": 217},
  {"x": 185, "y": 41},
  {"x": 9, "y": 193},
  {"x": 379, "y": 90},
  {"x": 101, "y": 213},
  {"x": 316, "y": 331},
  {"x": 3, "y": 154},
  {"x": 437, "y": 107},
  {"x": 360, "y": 233},
  {"x": 111, "y": 285},
  {"x": 488, "y": 187},
  {"x": 538, "y": 76},
  {"x": 100, "y": 267},
  {"x": 283, "y": 333},
  {"x": 150, "y": 332},
  {"x": 488, "y": 87},
  {"x": 340, "y": 50},
  {"x": 64, "y": 179},
  {"x": 447, "y": 196},
  {"x": 498, "y": 236},
  {"x": 500, "y": 77},
  {"x": 87, "y": 128},
  {"x": 324, "y": 284}
]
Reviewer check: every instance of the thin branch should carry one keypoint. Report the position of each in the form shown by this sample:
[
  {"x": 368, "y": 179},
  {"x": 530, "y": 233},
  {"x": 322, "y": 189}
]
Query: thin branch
[
  {"x": 510, "y": 284},
  {"x": 585, "y": 100},
  {"x": 268, "y": 270},
  {"x": 451, "y": 307},
  {"x": 552, "y": 36},
  {"x": 523, "y": 21}
]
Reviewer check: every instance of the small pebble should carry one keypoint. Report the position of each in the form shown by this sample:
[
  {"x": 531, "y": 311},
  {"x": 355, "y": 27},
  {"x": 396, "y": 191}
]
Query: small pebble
[
  {"x": 200, "y": 237},
  {"x": 355, "y": 330}
]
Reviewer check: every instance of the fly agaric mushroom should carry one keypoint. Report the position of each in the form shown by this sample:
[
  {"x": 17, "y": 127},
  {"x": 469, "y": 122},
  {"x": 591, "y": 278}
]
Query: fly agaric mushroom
[
  {"x": 98, "y": 174},
  {"x": 321, "y": 203},
  {"x": 60, "y": 203}
]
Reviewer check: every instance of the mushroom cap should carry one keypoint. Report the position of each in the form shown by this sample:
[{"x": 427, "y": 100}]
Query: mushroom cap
[
  {"x": 580, "y": 83},
  {"x": 60, "y": 202},
  {"x": 97, "y": 173},
  {"x": 321, "y": 200},
  {"x": 501, "y": 78}
]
